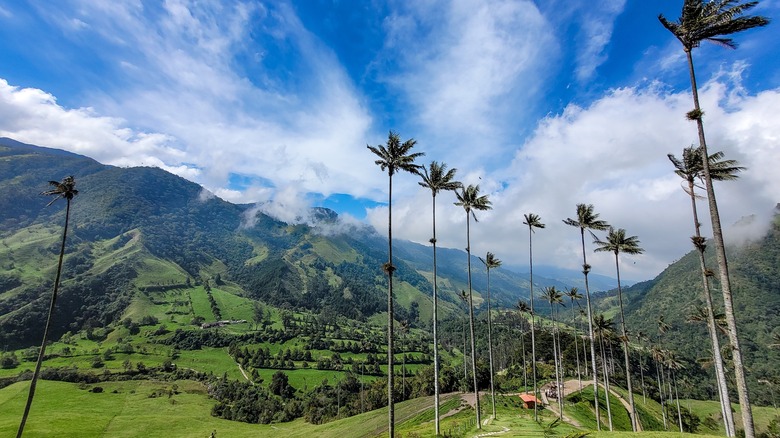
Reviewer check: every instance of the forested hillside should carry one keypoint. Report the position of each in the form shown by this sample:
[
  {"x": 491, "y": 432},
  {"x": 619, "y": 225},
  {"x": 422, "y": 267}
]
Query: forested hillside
[{"x": 675, "y": 297}]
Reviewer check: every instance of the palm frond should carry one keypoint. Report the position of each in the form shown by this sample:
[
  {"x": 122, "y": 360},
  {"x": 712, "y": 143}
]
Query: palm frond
[{"x": 65, "y": 189}]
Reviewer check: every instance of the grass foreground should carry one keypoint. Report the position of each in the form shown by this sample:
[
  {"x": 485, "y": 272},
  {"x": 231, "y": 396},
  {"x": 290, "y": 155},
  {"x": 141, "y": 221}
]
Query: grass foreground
[{"x": 143, "y": 408}]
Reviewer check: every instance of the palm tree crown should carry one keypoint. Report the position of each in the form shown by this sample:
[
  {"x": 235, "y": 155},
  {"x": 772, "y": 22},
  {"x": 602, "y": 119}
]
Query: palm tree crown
[
  {"x": 533, "y": 221},
  {"x": 707, "y": 21},
  {"x": 617, "y": 242},
  {"x": 587, "y": 219},
  {"x": 395, "y": 155},
  {"x": 690, "y": 167},
  {"x": 574, "y": 294},
  {"x": 65, "y": 189},
  {"x": 491, "y": 261},
  {"x": 437, "y": 178},
  {"x": 523, "y": 307},
  {"x": 471, "y": 201}
]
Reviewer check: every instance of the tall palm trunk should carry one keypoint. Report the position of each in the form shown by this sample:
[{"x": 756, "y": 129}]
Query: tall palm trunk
[
  {"x": 525, "y": 369},
  {"x": 584, "y": 357},
  {"x": 585, "y": 271},
  {"x": 390, "y": 351},
  {"x": 720, "y": 252},
  {"x": 435, "y": 326},
  {"x": 490, "y": 348},
  {"x": 533, "y": 324},
  {"x": 634, "y": 417},
  {"x": 557, "y": 362},
  {"x": 576, "y": 348},
  {"x": 642, "y": 375},
  {"x": 605, "y": 373},
  {"x": 465, "y": 360},
  {"x": 661, "y": 393},
  {"x": 42, "y": 352},
  {"x": 720, "y": 374},
  {"x": 677, "y": 400},
  {"x": 471, "y": 322}
]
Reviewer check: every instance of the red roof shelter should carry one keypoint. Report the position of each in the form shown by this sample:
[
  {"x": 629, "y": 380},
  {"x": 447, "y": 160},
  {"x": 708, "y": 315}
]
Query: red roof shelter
[{"x": 529, "y": 401}]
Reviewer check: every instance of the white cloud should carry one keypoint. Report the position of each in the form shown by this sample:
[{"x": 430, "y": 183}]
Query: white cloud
[
  {"x": 613, "y": 154},
  {"x": 464, "y": 67},
  {"x": 33, "y": 116},
  {"x": 183, "y": 103},
  {"x": 596, "y": 26}
]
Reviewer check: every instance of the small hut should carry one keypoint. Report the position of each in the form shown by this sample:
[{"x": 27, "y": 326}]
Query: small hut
[{"x": 529, "y": 401}]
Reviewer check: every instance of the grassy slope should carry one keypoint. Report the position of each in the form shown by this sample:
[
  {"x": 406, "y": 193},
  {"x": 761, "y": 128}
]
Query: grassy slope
[
  {"x": 149, "y": 408},
  {"x": 144, "y": 408}
]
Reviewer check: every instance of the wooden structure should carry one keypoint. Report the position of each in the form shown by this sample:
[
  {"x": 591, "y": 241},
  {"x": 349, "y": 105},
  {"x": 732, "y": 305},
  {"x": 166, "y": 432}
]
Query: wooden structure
[{"x": 529, "y": 401}]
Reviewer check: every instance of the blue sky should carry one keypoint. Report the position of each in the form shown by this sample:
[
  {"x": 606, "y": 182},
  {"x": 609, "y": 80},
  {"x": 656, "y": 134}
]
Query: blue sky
[{"x": 544, "y": 104}]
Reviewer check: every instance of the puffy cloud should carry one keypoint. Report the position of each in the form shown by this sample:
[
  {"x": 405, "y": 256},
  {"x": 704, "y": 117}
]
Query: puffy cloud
[
  {"x": 613, "y": 154},
  {"x": 33, "y": 116}
]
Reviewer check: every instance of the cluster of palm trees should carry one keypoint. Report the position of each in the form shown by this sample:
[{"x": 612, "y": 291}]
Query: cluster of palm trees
[
  {"x": 713, "y": 21},
  {"x": 396, "y": 156},
  {"x": 699, "y": 21}
]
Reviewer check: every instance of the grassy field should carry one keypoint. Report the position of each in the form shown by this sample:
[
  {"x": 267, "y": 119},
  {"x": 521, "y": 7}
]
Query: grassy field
[
  {"x": 762, "y": 415},
  {"x": 182, "y": 409},
  {"x": 174, "y": 409}
]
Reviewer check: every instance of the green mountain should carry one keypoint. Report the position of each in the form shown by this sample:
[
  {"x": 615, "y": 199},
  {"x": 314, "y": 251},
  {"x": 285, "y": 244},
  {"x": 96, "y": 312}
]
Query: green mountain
[
  {"x": 676, "y": 293},
  {"x": 137, "y": 229}
]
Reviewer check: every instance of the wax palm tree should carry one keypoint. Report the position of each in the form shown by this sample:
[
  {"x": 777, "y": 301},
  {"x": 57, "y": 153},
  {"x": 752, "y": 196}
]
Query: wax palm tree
[
  {"x": 659, "y": 358},
  {"x": 689, "y": 168},
  {"x": 712, "y": 21},
  {"x": 523, "y": 307},
  {"x": 533, "y": 221},
  {"x": 641, "y": 337},
  {"x": 490, "y": 262},
  {"x": 583, "y": 316},
  {"x": 575, "y": 296},
  {"x": 603, "y": 329},
  {"x": 395, "y": 156},
  {"x": 672, "y": 364},
  {"x": 471, "y": 201},
  {"x": 437, "y": 178},
  {"x": 65, "y": 189},
  {"x": 555, "y": 297},
  {"x": 588, "y": 220},
  {"x": 404, "y": 327},
  {"x": 617, "y": 242}
]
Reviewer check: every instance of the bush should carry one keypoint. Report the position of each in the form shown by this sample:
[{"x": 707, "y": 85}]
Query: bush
[{"x": 9, "y": 361}]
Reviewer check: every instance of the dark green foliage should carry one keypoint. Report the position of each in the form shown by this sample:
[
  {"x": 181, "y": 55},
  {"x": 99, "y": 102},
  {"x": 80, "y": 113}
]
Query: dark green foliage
[
  {"x": 9, "y": 360},
  {"x": 8, "y": 282},
  {"x": 690, "y": 421},
  {"x": 91, "y": 301},
  {"x": 676, "y": 293},
  {"x": 280, "y": 385},
  {"x": 773, "y": 430}
]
